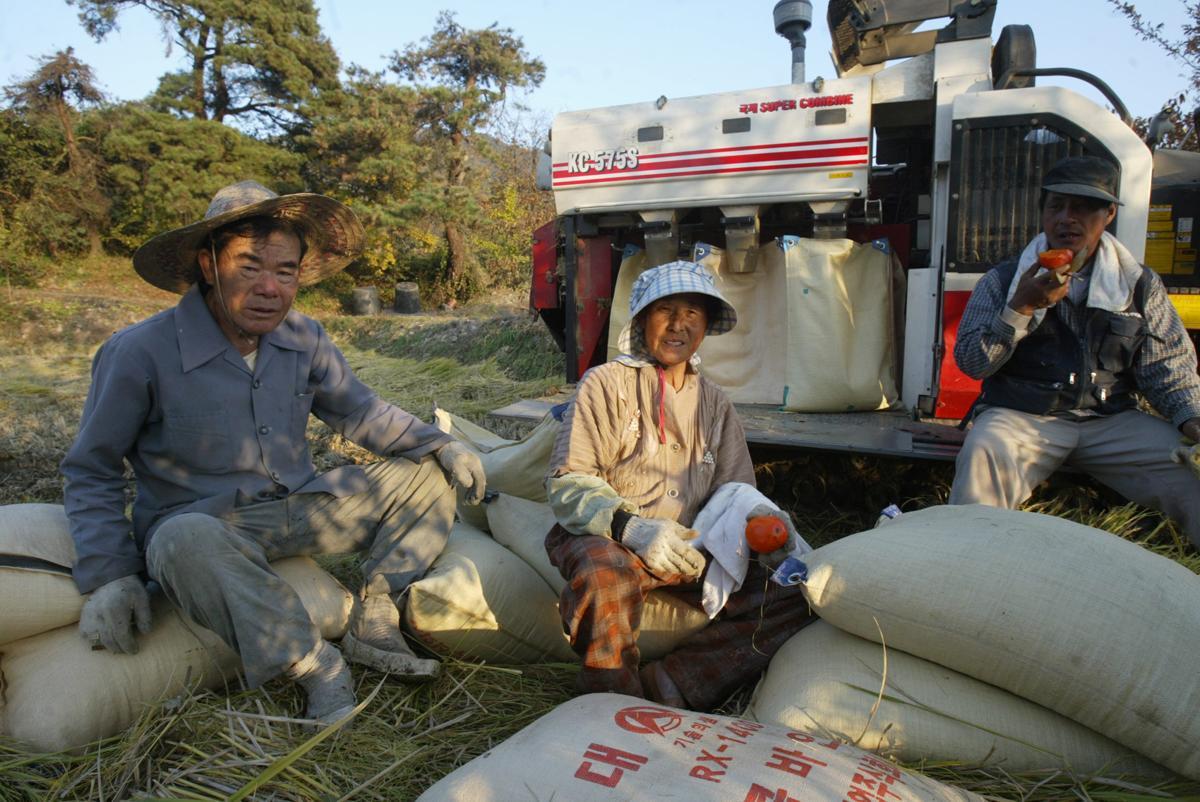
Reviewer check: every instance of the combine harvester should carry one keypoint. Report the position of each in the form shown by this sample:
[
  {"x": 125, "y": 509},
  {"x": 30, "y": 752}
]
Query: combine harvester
[{"x": 847, "y": 219}]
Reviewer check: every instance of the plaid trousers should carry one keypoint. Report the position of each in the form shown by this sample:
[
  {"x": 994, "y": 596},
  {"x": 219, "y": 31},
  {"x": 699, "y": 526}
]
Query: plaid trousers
[{"x": 601, "y": 609}]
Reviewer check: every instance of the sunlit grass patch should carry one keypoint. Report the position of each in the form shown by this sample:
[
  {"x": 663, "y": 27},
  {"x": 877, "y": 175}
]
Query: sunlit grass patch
[
  {"x": 519, "y": 344},
  {"x": 40, "y": 401},
  {"x": 210, "y": 745}
]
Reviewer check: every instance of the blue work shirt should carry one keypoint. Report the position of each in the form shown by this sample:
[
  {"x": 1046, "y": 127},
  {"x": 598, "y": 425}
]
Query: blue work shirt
[{"x": 203, "y": 433}]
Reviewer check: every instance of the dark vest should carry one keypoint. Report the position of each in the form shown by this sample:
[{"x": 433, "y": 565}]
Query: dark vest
[{"x": 1053, "y": 370}]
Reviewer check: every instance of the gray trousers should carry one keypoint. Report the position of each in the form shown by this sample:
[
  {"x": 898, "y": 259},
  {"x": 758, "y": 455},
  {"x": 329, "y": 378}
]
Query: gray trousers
[
  {"x": 1009, "y": 453},
  {"x": 218, "y": 570}
]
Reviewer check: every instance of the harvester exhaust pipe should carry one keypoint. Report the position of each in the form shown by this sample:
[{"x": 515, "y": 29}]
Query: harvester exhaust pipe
[{"x": 792, "y": 19}]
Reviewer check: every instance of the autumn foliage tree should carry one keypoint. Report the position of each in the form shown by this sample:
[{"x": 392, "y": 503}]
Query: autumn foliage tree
[
  {"x": 463, "y": 77},
  {"x": 1184, "y": 47},
  {"x": 358, "y": 147}
]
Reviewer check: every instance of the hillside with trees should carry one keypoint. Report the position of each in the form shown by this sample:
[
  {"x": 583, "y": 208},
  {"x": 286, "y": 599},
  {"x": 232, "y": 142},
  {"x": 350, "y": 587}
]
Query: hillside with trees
[{"x": 431, "y": 152}]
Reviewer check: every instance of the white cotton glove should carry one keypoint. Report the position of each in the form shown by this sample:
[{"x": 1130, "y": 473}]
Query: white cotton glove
[
  {"x": 772, "y": 559},
  {"x": 662, "y": 545},
  {"x": 1188, "y": 455},
  {"x": 106, "y": 615},
  {"x": 464, "y": 470}
]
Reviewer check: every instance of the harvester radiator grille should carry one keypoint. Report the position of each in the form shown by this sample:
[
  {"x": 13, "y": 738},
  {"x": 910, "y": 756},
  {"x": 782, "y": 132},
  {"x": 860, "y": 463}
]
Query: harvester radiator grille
[{"x": 996, "y": 173}]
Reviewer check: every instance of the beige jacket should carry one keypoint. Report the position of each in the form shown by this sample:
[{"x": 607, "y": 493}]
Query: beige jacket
[{"x": 608, "y": 454}]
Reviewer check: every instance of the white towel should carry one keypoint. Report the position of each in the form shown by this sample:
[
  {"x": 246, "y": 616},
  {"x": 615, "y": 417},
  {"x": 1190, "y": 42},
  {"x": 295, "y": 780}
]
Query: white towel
[
  {"x": 722, "y": 528},
  {"x": 1115, "y": 272}
]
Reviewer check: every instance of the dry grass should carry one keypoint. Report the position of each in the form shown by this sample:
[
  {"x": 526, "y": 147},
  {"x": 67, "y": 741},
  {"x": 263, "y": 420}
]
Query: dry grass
[
  {"x": 212, "y": 745},
  {"x": 217, "y": 745}
]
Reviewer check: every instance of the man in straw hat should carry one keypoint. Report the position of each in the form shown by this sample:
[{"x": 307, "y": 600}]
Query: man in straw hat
[
  {"x": 209, "y": 402},
  {"x": 1064, "y": 352}
]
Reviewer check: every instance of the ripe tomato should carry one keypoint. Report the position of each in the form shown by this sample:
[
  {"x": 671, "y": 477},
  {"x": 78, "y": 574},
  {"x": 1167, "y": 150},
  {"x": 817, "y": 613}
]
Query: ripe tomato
[
  {"x": 765, "y": 533},
  {"x": 1056, "y": 257}
]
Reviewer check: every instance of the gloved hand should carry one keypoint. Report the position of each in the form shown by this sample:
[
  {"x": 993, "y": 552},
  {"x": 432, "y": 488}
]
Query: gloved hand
[
  {"x": 106, "y": 615},
  {"x": 772, "y": 559},
  {"x": 464, "y": 469},
  {"x": 1188, "y": 455},
  {"x": 662, "y": 545}
]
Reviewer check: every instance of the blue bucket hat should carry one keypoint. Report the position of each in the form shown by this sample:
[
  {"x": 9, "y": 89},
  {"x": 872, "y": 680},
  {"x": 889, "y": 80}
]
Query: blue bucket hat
[
  {"x": 674, "y": 278},
  {"x": 681, "y": 278}
]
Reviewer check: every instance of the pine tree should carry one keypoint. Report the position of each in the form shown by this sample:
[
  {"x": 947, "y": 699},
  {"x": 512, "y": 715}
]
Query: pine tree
[
  {"x": 463, "y": 77},
  {"x": 255, "y": 60},
  {"x": 68, "y": 190}
]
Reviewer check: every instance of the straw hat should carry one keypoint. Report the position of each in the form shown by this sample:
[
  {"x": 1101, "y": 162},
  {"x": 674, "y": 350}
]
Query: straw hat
[{"x": 332, "y": 233}]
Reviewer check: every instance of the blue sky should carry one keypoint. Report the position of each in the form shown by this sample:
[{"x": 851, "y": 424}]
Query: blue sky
[{"x": 617, "y": 51}]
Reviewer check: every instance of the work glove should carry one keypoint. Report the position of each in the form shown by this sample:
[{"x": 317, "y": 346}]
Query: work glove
[
  {"x": 464, "y": 469},
  {"x": 662, "y": 545},
  {"x": 1188, "y": 455},
  {"x": 772, "y": 559},
  {"x": 105, "y": 620}
]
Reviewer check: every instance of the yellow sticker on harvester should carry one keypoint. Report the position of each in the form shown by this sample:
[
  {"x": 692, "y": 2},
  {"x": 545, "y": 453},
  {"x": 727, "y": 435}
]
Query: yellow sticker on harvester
[
  {"x": 841, "y": 175},
  {"x": 1188, "y": 307}
]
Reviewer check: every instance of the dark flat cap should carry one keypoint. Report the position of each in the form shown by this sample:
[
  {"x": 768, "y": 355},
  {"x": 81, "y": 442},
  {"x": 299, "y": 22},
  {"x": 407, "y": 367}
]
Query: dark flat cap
[{"x": 1086, "y": 176}]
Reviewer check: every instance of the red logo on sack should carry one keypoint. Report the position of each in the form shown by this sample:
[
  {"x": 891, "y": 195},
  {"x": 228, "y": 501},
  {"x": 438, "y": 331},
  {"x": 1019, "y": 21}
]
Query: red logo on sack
[{"x": 648, "y": 720}]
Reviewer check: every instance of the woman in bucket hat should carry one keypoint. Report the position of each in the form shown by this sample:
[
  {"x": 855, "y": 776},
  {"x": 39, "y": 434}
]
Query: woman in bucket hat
[
  {"x": 644, "y": 445},
  {"x": 209, "y": 402}
]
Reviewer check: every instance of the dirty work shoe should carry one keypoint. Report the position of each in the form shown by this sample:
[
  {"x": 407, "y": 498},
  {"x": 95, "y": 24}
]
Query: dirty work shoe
[
  {"x": 326, "y": 680},
  {"x": 375, "y": 641}
]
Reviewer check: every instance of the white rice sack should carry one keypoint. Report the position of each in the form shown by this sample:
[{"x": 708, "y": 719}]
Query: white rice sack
[
  {"x": 515, "y": 467},
  {"x": 521, "y": 526},
  {"x": 480, "y": 601},
  {"x": 1080, "y": 621},
  {"x": 37, "y": 593},
  {"x": 826, "y": 680},
  {"x": 60, "y": 695},
  {"x": 604, "y": 747}
]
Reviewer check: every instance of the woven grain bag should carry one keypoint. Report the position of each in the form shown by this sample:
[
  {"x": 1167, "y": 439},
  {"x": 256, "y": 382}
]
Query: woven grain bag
[
  {"x": 828, "y": 681},
  {"x": 521, "y": 526},
  {"x": 839, "y": 305},
  {"x": 605, "y": 747},
  {"x": 516, "y": 467},
  {"x": 1078, "y": 620},
  {"x": 60, "y": 695},
  {"x": 37, "y": 593},
  {"x": 480, "y": 601}
]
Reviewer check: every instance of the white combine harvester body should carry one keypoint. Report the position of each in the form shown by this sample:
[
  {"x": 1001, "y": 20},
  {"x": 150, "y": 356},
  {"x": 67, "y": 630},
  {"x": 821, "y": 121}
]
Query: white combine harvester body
[{"x": 925, "y": 152}]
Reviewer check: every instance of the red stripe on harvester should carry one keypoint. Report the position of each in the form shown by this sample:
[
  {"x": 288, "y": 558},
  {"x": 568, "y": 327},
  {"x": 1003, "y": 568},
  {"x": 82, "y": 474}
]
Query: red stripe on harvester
[
  {"x": 734, "y": 148},
  {"x": 757, "y": 168},
  {"x": 746, "y": 159}
]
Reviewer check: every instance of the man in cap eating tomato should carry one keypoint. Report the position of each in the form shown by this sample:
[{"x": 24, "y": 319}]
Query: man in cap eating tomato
[{"x": 1065, "y": 351}]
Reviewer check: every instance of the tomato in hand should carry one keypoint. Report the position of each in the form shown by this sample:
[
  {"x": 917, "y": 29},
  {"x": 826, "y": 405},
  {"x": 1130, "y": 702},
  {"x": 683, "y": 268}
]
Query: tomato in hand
[
  {"x": 1056, "y": 258},
  {"x": 766, "y": 533}
]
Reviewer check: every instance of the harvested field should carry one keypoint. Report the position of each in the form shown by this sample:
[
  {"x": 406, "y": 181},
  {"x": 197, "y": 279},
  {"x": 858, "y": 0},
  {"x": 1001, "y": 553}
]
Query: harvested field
[{"x": 245, "y": 745}]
